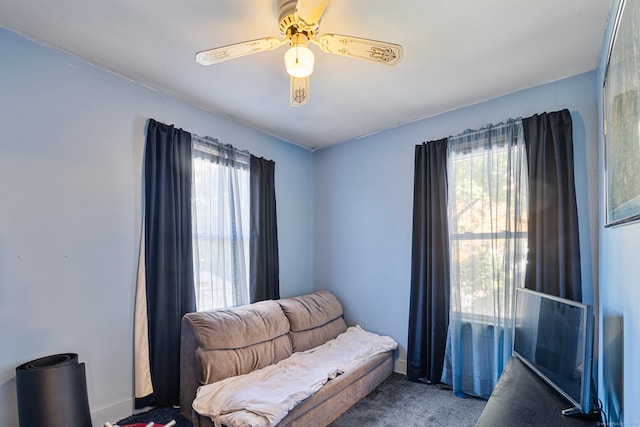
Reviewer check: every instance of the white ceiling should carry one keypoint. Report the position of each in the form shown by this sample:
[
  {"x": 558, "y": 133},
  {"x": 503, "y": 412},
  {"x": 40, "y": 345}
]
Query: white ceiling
[{"x": 456, "y": 53}]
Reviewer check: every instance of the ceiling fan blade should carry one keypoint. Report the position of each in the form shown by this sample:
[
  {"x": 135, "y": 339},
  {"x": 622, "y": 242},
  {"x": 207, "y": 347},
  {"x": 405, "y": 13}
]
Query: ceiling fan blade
[
  {"x": 309, "y": 12},
  {"x": 299, "y": 91},
  {"x": 366, "y": 49},
  {"x": 219, "y": 54}
]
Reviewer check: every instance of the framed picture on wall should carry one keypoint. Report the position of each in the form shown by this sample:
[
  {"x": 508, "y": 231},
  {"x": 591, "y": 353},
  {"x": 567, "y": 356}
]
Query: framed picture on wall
[{"x": 622, "y": 117}]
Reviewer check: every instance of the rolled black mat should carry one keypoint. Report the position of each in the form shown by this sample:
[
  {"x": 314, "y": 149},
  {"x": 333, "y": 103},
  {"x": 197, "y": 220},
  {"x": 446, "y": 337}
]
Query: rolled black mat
[{"x": 52, "y": 392}]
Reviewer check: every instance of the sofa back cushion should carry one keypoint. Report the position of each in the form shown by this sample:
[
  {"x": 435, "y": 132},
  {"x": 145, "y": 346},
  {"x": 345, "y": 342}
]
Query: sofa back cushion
[
  {"x": 314, "y": 319},
  {"x": 238, "y": 340}
]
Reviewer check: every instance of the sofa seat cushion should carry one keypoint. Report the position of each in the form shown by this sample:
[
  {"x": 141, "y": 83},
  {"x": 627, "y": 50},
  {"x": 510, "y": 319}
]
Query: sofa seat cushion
[
  {"x": 238, "y": 340},
  {"x": 314, "y": 319},
  {"x": 340, "y": 394}
]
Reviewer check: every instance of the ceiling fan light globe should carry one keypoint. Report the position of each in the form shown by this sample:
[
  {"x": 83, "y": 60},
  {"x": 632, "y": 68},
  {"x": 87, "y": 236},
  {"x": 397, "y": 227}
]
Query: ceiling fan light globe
[{"x": 299, "y": 61}]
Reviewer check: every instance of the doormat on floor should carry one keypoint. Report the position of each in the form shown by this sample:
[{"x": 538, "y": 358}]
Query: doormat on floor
[{"x": 159, "y": 416}]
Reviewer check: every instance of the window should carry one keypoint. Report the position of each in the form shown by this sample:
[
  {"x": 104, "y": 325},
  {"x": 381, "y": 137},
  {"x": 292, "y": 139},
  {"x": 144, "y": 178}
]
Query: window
[
  {"x": 220, "y": 205},
  {"x": 488, "y": 227},
  {"x": 488, "y": 205}
]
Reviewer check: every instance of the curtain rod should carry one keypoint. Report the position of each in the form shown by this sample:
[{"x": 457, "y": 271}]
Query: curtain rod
[
  {"x": 489, "y": 127},
  {"x": 215, "y": 143}
]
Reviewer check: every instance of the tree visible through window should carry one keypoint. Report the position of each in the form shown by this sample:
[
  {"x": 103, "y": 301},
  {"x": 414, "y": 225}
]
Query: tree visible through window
[{"x": 488, "y": 220}]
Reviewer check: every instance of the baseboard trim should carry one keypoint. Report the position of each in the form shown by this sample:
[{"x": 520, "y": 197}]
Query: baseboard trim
[
  {"x": 112, "y": 413},
  {"x": 400, "y": 366}
]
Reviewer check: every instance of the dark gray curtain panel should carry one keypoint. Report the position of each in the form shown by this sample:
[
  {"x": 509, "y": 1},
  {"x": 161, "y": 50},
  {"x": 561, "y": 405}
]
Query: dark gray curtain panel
[
  {"x": 169, "y": 254},
  {"x": 429, "y": 304},
  {"x": 265, "y": 267},
  {"x": 553, "y": 264}
]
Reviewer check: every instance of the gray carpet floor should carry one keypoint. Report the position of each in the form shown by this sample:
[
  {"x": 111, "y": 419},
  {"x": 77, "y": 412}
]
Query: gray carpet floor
[{"x": 400, "y": 402}]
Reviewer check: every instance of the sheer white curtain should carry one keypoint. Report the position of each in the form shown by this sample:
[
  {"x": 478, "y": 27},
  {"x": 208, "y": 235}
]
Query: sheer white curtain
[
  {"x": 220, "y": 224},
  {"x": 487, "y": 175}
]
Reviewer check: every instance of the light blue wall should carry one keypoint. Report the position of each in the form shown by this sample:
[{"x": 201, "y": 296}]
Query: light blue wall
[
  {"x": 71, "y": 145},
  {"x": 619, "y": 386},
  {"x": 363, "y": 196}
]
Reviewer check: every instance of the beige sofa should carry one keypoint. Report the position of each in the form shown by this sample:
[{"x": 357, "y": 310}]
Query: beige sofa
[{"x": 219, "y": 344}]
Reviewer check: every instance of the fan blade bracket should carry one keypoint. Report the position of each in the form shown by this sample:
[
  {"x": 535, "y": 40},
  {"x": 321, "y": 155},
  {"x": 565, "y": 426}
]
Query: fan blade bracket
[
  {"x": 359, "y": 48},
  {"x": 232, "y": 51},
  {"x": 299, "y": 92}
]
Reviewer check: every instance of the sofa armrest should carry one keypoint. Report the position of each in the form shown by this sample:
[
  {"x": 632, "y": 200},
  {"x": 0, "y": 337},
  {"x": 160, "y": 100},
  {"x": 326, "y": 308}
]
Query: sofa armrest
[
  {"x": 188, "y": 379},
  {"x": 219, "y": 344}
]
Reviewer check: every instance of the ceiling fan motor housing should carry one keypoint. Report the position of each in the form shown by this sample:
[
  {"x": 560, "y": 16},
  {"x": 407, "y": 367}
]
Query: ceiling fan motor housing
[
  {"x": 289, "y": 25},
  {"x": 286, "y": 12}
]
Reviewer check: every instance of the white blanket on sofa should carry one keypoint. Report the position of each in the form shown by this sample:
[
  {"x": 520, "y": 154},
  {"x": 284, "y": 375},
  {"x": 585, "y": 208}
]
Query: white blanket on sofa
[{"x": 265, "y": 396}]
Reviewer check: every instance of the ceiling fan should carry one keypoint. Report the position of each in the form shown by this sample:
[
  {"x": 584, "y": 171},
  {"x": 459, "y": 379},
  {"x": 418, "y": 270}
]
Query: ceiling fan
[{"x": 299, "y": 21}]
